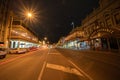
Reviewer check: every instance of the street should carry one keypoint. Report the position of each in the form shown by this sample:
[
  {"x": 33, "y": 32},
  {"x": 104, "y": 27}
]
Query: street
[
  {"x": 99, "y": 65},
  {"x": 43, "y": 64},
  {"x": 59, "y": 40},
  {"x": 58, "y": 64},
  {"x": 25, "y": 67}
]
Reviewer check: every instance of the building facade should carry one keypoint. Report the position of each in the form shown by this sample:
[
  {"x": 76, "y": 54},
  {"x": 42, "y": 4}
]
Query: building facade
[
  {"x": 22, "y": 37},
  {"x": 4, "y": 20},
  {"x": 76, "y": 39},
  {"x": 101, "y": 28}
]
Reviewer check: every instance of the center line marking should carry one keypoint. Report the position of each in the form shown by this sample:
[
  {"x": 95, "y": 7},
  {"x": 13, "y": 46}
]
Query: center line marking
[
  {"x": 43, "y": 67},
  {"x": 41, "y": 73}
]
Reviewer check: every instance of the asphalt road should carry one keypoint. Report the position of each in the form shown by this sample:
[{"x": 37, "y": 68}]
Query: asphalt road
[
  {"x": 61, "y": 64},
  {"x": 43, "y": 64},
  {"x": 99, "y": 65}
]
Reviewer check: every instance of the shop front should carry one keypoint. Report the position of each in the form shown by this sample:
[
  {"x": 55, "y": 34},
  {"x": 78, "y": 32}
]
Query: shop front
[
  {"x": 20, "y": 46},
  {"x": 105, "y": 39}
]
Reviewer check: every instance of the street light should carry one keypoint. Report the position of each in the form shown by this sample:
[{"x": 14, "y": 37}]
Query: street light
[
  {"x": 29, "y": 15},
  {"x": 9, "y": 32}
]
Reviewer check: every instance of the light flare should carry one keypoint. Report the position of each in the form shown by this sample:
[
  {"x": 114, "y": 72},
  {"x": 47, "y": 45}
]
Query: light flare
[{"x": 29, "y": 14}]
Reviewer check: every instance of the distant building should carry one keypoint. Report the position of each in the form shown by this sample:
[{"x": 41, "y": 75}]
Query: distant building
[
  {"x": 76, "y": 39},
  {"x": 101, "y": 28},
  {"x": 61, "y": 42}
]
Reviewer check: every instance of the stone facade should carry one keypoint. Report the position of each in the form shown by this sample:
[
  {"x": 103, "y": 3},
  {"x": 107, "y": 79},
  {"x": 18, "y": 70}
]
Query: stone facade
[
  {"x": 102, "y": 27},
  {"x": 4, "y": 20}
]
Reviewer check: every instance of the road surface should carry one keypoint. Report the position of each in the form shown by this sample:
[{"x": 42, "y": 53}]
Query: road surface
[
  {"x": 43, "y": 64},
  {"x": 61, "y": 64}
]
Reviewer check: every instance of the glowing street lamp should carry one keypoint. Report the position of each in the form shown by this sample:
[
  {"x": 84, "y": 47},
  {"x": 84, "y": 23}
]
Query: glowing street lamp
[{"x": 29, "y": 15}]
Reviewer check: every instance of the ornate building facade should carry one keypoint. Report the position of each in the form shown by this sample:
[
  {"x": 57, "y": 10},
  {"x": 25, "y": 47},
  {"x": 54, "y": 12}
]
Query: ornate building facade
[{"x": 101, "y": 28}]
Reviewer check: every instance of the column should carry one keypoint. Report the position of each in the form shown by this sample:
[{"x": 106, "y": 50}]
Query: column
[
  {"x": 118, "y": 43},
  {"x": 108, "y": 43}
]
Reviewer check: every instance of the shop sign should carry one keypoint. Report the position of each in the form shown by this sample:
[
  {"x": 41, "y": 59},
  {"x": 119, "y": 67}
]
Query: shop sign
[{"x": 106, "y": 30}]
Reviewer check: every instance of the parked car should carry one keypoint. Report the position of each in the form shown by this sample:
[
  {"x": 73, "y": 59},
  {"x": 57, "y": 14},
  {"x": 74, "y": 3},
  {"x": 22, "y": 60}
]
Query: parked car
[
  {"x": 18, "y": 50},
  {"x": 3, "y": 53},
  {"x": 15, "y": 50},
  {"x": 3, "y": 50},
  {"x": 33, "y": 48}
]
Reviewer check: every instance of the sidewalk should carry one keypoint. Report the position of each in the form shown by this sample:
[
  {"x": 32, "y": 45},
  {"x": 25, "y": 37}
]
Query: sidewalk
[
  {"x": 9, "y": 58},
  {"x": 117, "y": 53},
  {"x": 113, "y": 52}
]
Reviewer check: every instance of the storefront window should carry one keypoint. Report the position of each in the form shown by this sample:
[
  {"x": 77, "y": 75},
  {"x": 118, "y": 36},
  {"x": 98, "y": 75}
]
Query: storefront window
[{"x": 13, "y": 44}]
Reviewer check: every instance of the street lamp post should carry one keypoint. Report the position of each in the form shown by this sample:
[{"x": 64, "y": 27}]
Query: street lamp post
[
  {"x": 9, "y": 32},
  {"x": 29, "y": 15},
  {"x": 10, "y": 29}
]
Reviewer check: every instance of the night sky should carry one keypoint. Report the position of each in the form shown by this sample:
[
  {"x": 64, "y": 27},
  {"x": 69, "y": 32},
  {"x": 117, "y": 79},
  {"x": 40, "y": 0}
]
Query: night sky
[{"x": 54, "y": 17}]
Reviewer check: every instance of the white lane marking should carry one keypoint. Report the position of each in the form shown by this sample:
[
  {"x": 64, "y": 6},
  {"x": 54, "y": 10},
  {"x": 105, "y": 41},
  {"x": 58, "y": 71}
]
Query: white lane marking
[
  {"x": 41, "y": 73},
  {"x": 49, "y": 51},
  {"x": 43, "y": 67},
  {"x": 81, "y": 70},
  {"x": 64, "y": 69},
  {"x": 54, "y": 53}
]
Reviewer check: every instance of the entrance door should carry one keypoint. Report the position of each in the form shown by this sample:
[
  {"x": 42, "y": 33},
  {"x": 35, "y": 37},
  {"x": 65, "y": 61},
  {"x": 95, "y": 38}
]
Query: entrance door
[
  {"x": 104, "y": 43},
  {"x": 113, "y": 43}
]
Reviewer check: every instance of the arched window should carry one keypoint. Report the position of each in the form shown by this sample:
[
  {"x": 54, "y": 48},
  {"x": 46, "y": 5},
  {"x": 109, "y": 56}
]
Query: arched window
[
  {"x": 108, "y": 19},
  {"x": 117, "y": 18}
]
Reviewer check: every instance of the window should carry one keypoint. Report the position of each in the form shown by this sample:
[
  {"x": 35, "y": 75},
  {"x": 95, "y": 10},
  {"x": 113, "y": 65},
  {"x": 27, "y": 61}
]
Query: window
[
  {"x": 101, "y": 24},
  {"x": 108, "y": 19},
  {"x": 16, "y": 23},
  {"x": 117, "y": 18},
  {"x": 109, "y": 22},
  {"x": 13, "y": 44}
]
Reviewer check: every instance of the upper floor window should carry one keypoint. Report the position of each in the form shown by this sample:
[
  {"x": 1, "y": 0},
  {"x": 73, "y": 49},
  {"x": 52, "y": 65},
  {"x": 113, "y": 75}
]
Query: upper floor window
[
  {"x": 117, "y": 18},
  {"x": 101, "y": 24},
  {"x": 94, "y": 26},
  {"x": 109, "y": 22},
  {"x": 108, "y": 19},
  {"x": 16, "y": 23}
]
